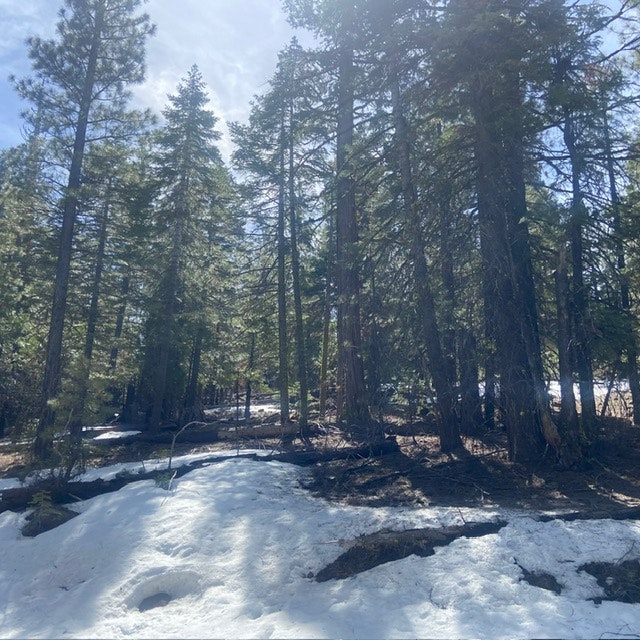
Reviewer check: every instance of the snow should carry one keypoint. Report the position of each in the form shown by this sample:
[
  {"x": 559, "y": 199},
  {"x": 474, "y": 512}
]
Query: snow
[
  {"x": 116, "y": 435},
  {"x": 234, "y": 544},
  {"x": 160, "y": 464},
  {"x": 236, "y": 412},
  {"x": 9, "y": 483}
]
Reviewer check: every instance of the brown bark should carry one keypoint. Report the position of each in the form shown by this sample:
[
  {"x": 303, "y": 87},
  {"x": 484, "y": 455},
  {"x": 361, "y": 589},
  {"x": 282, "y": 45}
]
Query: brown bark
[
  {"x": 470, "y": 403},
  {"x": 581, "y": 315},
  {"x": 326, "y": 324},
  {"x": 283, "y": 338},
  {"x": 625, "y": 299},
  {"x": 445, "y": 395},
  {"x": 78, "y": 420},
  {"x": 192, "y": 410},
  {"x": 169, "y": 296},
  {"x": 355, "y": 414},
  {"x": 301, "y": 349},
  {"x": 568, "y": 414},
  {"x": 508, "y": 285},
  {"x": 120, "y": 316}
]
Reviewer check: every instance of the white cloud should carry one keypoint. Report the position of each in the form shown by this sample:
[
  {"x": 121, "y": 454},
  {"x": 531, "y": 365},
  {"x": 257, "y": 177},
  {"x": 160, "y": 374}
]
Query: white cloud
[{"x": 235, "y": 44}]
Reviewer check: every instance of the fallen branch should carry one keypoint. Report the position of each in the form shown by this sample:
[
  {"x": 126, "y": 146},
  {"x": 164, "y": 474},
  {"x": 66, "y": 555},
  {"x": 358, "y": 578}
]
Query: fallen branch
[{"x": 308, "y": 458}]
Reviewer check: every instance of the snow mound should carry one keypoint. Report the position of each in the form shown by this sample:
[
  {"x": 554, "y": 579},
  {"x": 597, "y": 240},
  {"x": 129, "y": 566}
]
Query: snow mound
[{"x": 231, "y": 551}]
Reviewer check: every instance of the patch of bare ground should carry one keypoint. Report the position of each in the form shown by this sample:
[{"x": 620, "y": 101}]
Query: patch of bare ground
[
  {"x": 608, "y": 481},
  {"x": 417, "y": 474},
  {"x": 607, "y": 485},
  {"x": 386, "y": 546},
  {"x": 619, "y": 581},
  {"x": 14, "y": 460}
]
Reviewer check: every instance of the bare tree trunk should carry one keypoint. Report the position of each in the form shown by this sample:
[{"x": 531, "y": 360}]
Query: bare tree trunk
[
  {"x": 449, "y": 341},
  {"x": 445, "y": 396},
  {"x": 250, "y": 365},
  {"x": 303, "y": 404},
  {"x": 75, "y": 425},
  {"x": 569, "y": 422},
  {"x": 166, "y": 329},
  {"x": 625, "y": 299},
  {"x": 508, "y": 285},
  {"x": 192, "y": 407},
  {"x": 355, "y": 414},
  {"x": 117, "y": 332},
  {"x": 470, "y": 403},
  {"x": 326, "y": 323},
  {"x": 283, "y": 338},
  {"x": 582, "y": 342}
]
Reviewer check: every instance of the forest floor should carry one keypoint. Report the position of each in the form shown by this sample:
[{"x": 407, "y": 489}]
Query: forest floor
[{"x": 419, "y": 475}]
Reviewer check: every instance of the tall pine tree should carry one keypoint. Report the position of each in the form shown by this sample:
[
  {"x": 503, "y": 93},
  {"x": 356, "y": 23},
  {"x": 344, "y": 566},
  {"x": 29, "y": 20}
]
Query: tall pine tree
[{"x": 80, "y": 79}]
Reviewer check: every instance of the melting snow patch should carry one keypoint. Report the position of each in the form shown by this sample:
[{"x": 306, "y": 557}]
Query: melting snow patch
[{"x": 116, "y": 435}]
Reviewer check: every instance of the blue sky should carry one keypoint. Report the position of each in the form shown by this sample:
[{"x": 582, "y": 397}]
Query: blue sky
[{"x": 234, "y": 43}]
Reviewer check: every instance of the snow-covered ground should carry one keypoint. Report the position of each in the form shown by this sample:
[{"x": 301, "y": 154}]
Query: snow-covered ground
[{"x": 235, "y": 545}]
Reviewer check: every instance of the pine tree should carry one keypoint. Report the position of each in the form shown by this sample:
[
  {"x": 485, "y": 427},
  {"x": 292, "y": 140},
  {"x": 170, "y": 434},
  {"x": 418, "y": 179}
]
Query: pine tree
[
  {"x": 192, "y": 202},
  {"x": 80, "y": 77},
  {"x": 489, "y": 51},
  {"x": 26, "y": 270},
  {"x": 281, "y": 156}
]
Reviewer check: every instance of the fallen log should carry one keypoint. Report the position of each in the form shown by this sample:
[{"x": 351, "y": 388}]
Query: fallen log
[
  {"x": 195, "y": 436},
  {"x": 308, "y": 458},
  {"x": 259, "y": 431},
  {"x": 624, "y": 513}
]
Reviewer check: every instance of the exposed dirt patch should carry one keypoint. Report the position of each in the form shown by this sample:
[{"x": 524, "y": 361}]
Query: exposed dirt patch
[
  {"x": 46, "y": 517},
  {"x": 419, "y": 475},
  {"x": 620, "y": 581},
  {"x": 541, "y": 580},
  {"x": 386, "y": 546}
]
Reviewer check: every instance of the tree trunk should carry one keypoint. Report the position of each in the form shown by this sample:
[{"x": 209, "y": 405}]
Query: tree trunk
[
  {"x": 326, "y": 323},
  {"x": 625, "y": 299},
  {"x": 79, "y": 419},
  {"x": 250, "y": 365},
  {"x": 355, "y": 413},
  {"x": 445, "y": 396},
  {"x": 470, "y": 403},
  {"x": 159, "y": 410},
  {"x": 192, "y": 407},
  {"x": 303, "y": 403},
  {"x": 568, "y": 414},
  {"x": 509, "y": 291},
  {"x": 283, "y": 338},
  {"x": 450, "y": 296},
  {"x": 120, "y": 316},
  {"x": 582, "y": 341}
]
